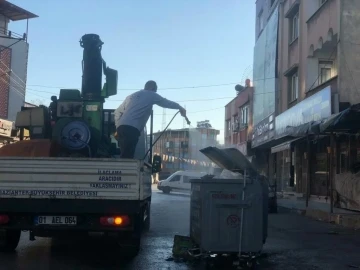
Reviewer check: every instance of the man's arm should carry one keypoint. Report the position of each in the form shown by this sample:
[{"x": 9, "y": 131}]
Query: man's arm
[{"x": 165, "y": 103}]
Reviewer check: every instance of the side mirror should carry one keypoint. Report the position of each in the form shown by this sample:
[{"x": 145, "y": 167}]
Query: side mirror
[{"x": 156, "y": 164}]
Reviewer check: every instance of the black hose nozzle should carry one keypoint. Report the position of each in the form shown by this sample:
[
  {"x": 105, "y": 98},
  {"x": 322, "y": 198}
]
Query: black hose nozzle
[{"x": 187, "y": 120}]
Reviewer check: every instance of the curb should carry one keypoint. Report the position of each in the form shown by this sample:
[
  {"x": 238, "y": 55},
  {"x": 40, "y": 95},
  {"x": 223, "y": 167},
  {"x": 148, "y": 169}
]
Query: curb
[{"x": 351, "y": 221}]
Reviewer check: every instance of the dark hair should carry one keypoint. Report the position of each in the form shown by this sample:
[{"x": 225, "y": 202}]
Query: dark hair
[{"x": 151, "y": 85}]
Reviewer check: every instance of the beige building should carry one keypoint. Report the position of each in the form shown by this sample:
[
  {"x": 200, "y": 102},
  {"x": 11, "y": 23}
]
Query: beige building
[{"x": 316, "y": 76}]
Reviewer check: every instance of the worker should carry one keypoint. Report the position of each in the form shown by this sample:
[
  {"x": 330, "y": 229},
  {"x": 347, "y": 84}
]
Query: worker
[{"x": 132, "y": 115}]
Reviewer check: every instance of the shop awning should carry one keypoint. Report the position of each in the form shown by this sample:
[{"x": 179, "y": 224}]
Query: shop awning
[
  {"x": 284, "y": 146},
  {"x": 347, "y": 121}
]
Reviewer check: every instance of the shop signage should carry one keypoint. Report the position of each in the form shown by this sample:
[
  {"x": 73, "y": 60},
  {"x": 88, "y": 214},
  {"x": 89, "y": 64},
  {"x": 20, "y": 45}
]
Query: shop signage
[
  {"x": 263, "y": 131},
  {"x": 314, "y": 108}
]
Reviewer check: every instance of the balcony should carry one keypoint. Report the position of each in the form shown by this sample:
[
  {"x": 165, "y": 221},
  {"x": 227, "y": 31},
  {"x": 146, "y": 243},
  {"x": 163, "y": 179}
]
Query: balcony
[{"x": 10, "y": 34}]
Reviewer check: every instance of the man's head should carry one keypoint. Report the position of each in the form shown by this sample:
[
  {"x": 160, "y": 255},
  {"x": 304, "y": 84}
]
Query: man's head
[{"x": 151, "y": 86}]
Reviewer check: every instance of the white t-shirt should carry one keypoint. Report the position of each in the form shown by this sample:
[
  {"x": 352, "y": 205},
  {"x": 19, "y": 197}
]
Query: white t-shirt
[{"x": 136, "y": 108}]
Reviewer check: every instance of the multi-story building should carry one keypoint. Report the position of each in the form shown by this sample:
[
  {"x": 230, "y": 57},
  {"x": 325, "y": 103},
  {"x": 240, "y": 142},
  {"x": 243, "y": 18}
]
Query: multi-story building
[
  {"x": 14, "y": 50},
  {"x": 312, "y": 48},
  {"x": 238, "y": 119},
  {"x": 179, "y": 148}
]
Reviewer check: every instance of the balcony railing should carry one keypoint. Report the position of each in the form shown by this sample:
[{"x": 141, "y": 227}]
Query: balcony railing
[{"x": 11, "y": 34}]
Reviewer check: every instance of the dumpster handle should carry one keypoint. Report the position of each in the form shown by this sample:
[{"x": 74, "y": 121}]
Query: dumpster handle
[{"x": 191, "y": 252}]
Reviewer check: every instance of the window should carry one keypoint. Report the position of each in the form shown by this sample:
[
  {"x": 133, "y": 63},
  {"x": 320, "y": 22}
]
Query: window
[
  {"x": 186, "y": 179},
  {"x": 229, "y": 125},
  {"x": 244, "y": 115},
  {"x": 294, "y": 87},
  {"x": 261, "y": 21},
  {"x": 294, "y": 28},
  {"x": 325, "y": 68},
  {"x": 204, "y": 136},
  {"x": 176, "y": 178}
]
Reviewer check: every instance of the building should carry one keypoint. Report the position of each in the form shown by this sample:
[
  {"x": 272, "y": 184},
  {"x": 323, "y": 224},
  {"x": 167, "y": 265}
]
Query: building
[
  {"x": 14, "y": 49},
  {"x": 179, "y": 148},
  {"x": 29, "y": 105},
  {"x": 238, "y": 119},
  {"x": 307, "y": 67}
]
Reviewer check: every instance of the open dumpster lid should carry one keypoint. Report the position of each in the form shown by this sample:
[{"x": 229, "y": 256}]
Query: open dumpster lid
[{"x": 228, "y": 158}]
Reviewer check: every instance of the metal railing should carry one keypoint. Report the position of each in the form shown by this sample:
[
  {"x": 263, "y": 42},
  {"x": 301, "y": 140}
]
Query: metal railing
[{"x": 11, "y": 34}]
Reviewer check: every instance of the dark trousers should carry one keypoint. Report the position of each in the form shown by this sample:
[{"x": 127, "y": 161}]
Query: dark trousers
[{"x": 128, "y": 138}]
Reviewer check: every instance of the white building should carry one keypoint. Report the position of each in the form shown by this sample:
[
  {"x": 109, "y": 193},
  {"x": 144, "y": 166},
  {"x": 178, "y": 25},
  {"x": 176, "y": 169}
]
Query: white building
[{"x": 14, "y": 50}]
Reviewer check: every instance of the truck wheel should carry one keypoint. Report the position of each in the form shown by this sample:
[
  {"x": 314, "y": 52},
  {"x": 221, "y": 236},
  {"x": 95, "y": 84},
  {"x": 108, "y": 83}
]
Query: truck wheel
[
  {"x": 9, "y": 240},
  {"x": 131, "y": 249},
  {"x": 166, "y": 190}
]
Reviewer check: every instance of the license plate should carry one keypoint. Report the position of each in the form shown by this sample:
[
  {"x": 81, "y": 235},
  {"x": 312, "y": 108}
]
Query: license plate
[{"x": 55, "y": 220}]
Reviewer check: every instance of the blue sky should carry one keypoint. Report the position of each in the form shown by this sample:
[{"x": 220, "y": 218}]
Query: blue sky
[{"x": 176, "y": 43}]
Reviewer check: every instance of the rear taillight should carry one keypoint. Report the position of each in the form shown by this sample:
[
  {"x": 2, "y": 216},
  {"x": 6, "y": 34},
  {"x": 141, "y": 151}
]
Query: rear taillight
[
  {"x": 119, "y": 221},
  {"x": 4, "y": 219}
]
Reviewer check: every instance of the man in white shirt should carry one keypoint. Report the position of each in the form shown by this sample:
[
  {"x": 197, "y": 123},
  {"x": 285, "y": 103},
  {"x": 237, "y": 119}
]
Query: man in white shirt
[{"x": 132, "y": 115}]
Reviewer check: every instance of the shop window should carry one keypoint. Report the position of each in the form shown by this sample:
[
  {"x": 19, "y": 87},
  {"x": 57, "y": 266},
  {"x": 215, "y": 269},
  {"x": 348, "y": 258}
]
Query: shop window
[{"x": 343, "y": 162}]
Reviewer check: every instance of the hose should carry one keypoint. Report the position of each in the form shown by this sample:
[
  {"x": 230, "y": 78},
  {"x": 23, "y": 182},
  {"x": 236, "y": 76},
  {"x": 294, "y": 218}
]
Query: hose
[{"x": 187, "y": 120}]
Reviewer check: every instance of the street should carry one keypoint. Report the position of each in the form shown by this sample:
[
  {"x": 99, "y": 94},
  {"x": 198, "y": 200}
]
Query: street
[{"x": 294, "y": 242}]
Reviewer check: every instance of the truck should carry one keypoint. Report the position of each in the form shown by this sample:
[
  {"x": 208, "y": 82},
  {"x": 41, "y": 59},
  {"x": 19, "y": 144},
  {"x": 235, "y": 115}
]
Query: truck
[{"x": 68, "y": 177}]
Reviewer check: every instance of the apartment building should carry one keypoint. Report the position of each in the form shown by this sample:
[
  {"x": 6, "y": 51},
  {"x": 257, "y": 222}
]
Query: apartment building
[
  {"x": 179, "y": 148},
  {"x": 316, "y": 68},
  {"x": 238, "y": 119},
  {"x": 14, "y": 50}
]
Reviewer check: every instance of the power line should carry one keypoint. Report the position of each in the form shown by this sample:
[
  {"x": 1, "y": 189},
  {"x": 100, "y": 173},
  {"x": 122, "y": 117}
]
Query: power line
[
  {"x": 160, "y": 89},
  {"x": 136, "y": 89}
]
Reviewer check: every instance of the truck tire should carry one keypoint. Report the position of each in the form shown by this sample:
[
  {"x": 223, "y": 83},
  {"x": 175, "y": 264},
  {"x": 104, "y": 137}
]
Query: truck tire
[
  {"x": 166, "y": 190},
  {"x": 9, "y": 240},
  {"x": 131, "y": 249}
]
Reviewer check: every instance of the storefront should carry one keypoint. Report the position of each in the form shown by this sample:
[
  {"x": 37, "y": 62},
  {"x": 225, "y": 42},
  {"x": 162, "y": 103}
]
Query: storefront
[{"x": 301, "y": 167}]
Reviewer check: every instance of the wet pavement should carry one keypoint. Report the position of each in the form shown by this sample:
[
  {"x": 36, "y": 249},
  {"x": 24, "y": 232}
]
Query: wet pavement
[{"x": 294, "y": 242}]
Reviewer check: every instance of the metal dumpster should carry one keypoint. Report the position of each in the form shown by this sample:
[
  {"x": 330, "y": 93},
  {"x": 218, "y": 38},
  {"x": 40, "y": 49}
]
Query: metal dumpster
[{"x": 229, "y": 215}]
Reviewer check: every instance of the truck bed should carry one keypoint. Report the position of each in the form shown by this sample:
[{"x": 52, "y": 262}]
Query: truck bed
[{"x": 74, "y": 178}]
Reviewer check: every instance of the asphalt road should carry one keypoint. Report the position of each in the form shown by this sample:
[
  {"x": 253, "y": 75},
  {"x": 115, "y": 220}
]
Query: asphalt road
[{"x": 294, "y": 242}]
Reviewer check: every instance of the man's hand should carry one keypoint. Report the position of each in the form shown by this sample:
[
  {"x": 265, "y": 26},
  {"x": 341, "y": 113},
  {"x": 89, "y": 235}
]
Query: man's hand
[{"x": 183, "y": 112}]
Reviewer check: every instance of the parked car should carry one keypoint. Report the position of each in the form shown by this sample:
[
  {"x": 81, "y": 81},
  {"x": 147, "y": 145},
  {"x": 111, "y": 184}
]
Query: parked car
[{"x": 178, "y": 181}]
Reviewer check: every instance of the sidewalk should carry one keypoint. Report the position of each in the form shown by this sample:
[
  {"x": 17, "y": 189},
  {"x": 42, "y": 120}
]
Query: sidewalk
[{"x": 321, "y": 211}]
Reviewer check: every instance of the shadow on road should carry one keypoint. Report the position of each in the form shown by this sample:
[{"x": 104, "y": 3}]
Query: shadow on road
[{"x": 88, "y": 251}]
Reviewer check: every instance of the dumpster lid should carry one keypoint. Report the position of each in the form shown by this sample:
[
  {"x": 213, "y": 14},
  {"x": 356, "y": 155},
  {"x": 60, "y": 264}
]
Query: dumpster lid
[{"x": 228, "y": 158}]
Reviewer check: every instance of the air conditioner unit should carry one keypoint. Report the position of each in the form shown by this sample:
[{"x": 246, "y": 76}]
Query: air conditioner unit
[{"x": 235, "y": 127}]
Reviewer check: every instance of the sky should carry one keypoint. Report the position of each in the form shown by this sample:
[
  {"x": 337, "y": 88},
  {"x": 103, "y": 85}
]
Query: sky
[{"x": 177, "y": 43}]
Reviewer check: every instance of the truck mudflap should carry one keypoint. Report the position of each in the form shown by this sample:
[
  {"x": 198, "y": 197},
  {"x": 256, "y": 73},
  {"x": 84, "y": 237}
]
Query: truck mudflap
[{"x": 72, "y": 178}]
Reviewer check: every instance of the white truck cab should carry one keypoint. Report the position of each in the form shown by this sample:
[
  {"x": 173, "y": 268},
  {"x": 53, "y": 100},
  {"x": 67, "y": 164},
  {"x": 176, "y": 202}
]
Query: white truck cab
[{"x": 179, "y": 181}]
